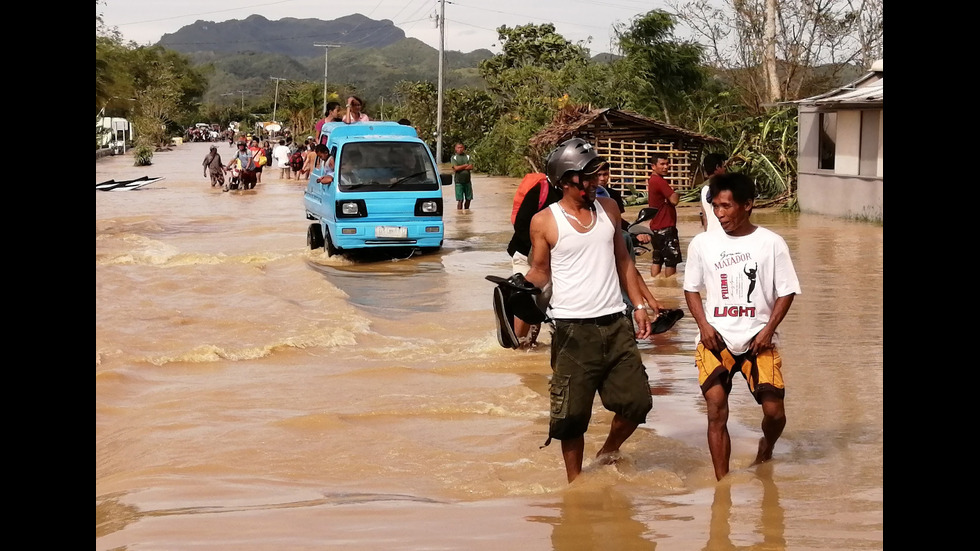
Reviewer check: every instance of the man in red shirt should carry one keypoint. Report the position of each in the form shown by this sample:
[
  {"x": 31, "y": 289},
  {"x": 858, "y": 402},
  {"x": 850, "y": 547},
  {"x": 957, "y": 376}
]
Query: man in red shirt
[{"x": 665, "y": 244}]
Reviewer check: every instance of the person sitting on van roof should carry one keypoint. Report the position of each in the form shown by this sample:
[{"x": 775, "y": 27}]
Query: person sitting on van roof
[{"x": 354, "y": 114}]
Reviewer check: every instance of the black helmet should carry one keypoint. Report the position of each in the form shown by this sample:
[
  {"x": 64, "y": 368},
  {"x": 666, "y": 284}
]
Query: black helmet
[{"x": 570, "y": 155}]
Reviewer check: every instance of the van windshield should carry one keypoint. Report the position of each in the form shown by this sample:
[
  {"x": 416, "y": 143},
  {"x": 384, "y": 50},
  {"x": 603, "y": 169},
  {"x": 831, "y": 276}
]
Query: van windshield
[{"x": 386, "y": 166}]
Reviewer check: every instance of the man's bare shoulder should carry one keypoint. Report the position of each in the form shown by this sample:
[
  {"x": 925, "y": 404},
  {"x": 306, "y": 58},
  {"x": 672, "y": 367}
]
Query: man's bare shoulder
[
  {"x": 542, "y": 216},
  {"x": 609, "y": 204},
  {"x": 543, "y": 223}
]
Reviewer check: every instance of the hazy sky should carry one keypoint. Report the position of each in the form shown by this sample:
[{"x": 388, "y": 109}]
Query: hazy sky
[{"x": 470, "y": 24}]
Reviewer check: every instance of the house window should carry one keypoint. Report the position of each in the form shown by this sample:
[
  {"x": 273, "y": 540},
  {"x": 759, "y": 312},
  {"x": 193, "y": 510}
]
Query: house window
[{"x": 828, "y": 141}]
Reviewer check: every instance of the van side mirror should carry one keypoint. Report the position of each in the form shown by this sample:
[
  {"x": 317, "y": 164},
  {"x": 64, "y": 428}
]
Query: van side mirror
[{"x": 447, "y": 179}]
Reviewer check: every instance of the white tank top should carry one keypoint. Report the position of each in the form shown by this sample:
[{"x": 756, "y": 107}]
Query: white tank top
[{"x": 584, "y": 280}]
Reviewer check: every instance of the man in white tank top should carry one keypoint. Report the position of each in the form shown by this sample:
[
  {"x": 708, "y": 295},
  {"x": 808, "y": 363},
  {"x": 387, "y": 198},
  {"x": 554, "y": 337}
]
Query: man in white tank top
[{"x": 576, "y": 245}]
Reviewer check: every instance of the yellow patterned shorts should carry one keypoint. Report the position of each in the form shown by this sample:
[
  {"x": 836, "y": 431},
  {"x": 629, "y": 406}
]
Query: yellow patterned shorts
[{"x": 763, "y": 372}]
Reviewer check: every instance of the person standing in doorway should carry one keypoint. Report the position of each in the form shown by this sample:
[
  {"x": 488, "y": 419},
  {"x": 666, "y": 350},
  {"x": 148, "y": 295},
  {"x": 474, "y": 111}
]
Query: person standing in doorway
[
  {"x": 748, "y": 275},
  {"x": 714, "y": 163},
  {"x": 665, "y": 249},
  {"x": 324, "y": 156},
  {"x": 576, "y": 245},
  {"x": 462, "y": 166}
]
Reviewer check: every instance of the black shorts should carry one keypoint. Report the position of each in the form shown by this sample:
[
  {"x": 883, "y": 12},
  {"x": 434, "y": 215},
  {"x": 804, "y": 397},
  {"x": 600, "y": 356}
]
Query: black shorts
[{"x": 665, "y": 247}]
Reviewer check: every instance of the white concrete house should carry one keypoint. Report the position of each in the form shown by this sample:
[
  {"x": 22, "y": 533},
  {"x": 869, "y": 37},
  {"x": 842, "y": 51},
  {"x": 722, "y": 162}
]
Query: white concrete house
[{"x": 840, "y": 168}]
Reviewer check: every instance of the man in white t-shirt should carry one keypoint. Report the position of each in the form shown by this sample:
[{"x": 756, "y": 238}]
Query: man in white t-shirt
[
  {"x": 750, "y": 282},
  {"x": 280, "y": 155},
  {"x": 714, "y": 163}
]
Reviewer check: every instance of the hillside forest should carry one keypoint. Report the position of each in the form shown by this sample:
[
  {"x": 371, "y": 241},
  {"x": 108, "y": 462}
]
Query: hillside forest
[{"x": 731, "y": 80}]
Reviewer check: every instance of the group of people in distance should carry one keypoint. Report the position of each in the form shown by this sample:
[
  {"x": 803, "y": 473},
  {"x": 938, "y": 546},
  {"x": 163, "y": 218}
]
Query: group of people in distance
[
  {"x": 292, "y": 159},
  {"x": 739, "y": 283}
]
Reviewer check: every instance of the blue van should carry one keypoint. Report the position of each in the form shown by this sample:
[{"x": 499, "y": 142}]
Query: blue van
[{"x": 386, "y": 192}]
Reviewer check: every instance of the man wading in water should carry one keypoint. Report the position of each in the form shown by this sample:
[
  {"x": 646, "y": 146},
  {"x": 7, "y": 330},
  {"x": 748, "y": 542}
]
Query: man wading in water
[
  {"x": 576, "y": 244},
  {"x": 737, "y": 322}
]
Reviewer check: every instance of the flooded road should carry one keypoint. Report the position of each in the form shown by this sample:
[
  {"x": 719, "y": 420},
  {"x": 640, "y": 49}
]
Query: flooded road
[{"x": 253, "y": 394}]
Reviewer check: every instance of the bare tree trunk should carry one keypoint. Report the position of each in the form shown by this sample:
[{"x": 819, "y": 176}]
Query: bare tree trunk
[{"x": 769, "y": 53}]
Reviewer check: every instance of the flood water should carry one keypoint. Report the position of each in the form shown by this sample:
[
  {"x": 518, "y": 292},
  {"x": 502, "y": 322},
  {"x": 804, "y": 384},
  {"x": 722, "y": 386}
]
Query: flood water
[{"x": 252, "y": 394}]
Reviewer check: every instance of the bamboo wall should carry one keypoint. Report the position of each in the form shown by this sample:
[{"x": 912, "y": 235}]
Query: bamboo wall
[{"x": 629, "y": 164}]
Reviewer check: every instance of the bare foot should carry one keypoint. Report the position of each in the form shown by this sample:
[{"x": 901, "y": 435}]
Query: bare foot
[
  {"x": 607, "y": 458},
  {"x": 765, "y": 452},
  {"x": 527, "y": 345}
]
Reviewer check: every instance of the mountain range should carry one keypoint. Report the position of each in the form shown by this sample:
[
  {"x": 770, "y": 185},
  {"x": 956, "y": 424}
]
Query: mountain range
[{"x": 363, "y": 54}]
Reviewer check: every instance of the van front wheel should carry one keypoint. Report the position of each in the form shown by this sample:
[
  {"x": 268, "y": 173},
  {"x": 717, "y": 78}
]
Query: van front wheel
[
  {"x": 314, "y": 237},
  {"x": 328, "y": 245}
]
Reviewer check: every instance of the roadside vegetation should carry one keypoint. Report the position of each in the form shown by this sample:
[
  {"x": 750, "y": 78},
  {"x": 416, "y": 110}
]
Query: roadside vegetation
[{"x": 729, "y": 78}]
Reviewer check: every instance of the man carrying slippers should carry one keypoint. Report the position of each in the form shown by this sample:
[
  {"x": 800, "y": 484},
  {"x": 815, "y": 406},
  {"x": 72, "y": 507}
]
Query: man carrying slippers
[{"x": 577, "y": 246}]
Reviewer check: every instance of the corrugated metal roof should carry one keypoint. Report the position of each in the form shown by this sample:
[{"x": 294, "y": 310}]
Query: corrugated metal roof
[{"x": 867, "y": 90}]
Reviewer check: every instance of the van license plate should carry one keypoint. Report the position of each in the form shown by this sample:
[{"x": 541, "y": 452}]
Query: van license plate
[{"x": 391, "y": 231}]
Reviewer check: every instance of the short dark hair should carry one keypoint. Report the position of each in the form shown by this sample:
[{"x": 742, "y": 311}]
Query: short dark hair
[
  {"x": 654, "y": 157},
  {"x": 405, "y": 122},
  {"x": 741, "y": 186},
  {"x": 320, "y": 148},
  {"x": 712, "y": 161},
  {"x": 331, "y": 106}
]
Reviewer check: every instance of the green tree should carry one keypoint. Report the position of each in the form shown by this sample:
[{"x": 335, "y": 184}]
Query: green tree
[
  {"x": 416, "y": 101},
  {"x": 766, "y": 150},
  {"x": 529, "y": 80},
  {"x": 663, "y": 69}
]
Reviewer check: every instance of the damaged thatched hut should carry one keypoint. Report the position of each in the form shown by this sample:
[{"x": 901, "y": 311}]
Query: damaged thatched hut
[{"x": 626, "y": 140}]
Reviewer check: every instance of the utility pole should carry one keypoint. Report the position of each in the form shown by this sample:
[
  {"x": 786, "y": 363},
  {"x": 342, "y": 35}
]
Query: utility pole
[
  {"x": 442, "y": 57},
  {"x": 326, "y": 48},
  {"x": 242, "y": 92},
  {"x": 275, "y": 102}
]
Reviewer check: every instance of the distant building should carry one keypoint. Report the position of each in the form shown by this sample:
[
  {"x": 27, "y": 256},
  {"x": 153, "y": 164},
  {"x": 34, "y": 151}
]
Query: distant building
[
  {"x": 840, "y": 163},
  {"x": 112, "y": 130}
]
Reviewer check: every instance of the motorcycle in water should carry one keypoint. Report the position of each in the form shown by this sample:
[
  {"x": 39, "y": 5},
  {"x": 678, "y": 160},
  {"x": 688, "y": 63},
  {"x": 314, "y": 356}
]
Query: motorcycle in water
[
  {"x": 636, "y": 228},
  {"x": 235, "y": 179},
  {"x": 668, "y": 316}
]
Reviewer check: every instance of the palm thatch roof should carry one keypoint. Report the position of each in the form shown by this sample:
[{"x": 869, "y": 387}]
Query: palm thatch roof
[{"x": 584, "y": 122}]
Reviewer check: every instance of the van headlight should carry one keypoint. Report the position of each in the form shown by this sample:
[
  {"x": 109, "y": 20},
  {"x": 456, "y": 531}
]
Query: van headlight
[
  {"x": 351, "y": 208},
  {"x": 428, "y": 206}
]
